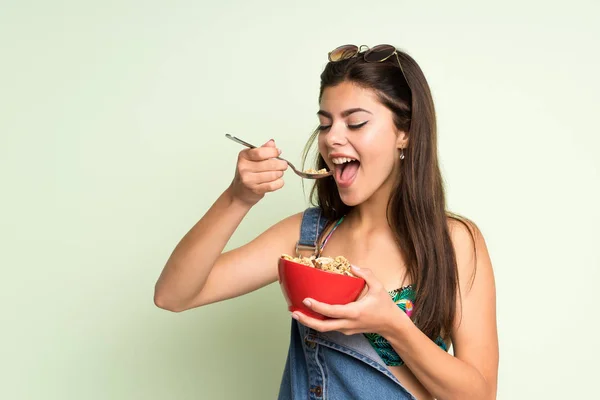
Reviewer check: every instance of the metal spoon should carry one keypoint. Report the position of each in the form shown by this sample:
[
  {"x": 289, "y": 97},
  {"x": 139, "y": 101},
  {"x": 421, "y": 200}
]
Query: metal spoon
[{"x": 298, "y": 172}]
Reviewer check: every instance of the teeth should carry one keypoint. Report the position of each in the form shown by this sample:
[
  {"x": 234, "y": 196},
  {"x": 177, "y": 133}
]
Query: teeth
[{"x": 342, "y": 160}]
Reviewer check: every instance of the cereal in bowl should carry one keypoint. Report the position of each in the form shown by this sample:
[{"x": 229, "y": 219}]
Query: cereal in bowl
[{"x": 337, "y": 265}]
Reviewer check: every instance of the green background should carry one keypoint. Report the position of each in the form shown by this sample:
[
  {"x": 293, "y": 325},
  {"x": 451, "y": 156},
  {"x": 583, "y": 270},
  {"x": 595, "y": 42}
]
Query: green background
[{"x": 113, "y": 116}]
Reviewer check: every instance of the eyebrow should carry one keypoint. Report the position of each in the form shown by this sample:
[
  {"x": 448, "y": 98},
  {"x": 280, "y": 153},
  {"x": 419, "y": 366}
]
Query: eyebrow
[{"x": 344, "y": 113}]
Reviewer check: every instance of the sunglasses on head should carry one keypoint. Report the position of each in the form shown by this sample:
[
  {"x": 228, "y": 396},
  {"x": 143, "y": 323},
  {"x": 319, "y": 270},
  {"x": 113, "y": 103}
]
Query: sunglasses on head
[{"x": 378, "y": 53}]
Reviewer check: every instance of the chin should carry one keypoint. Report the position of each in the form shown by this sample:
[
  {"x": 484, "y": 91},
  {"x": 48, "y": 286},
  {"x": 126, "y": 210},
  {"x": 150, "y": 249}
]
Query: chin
[{"x": 352, "y": 198}]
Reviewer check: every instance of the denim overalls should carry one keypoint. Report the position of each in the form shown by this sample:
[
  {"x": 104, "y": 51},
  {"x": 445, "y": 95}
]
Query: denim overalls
[{"x": 331, "y": 365}]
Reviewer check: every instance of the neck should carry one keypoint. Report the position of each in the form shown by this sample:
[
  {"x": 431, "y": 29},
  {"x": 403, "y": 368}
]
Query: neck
[{"x": 371, "y": 215}]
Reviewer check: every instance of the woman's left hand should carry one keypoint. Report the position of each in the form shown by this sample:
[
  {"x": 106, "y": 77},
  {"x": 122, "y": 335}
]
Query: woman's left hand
[{"x": 375, "y": 312}]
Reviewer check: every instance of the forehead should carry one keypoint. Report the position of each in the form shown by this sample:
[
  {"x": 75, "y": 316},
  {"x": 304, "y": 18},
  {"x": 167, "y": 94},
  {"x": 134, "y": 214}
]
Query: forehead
[{"x": 348, "y": 95}]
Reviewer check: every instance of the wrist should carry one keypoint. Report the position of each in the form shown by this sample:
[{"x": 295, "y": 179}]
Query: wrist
[
  {"x": 396, "y": 324},
  {"x": 236, "y": 202}
]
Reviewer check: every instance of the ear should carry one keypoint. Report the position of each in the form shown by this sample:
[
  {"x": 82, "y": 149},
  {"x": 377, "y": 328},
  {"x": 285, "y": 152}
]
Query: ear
[{"x": 401, "y": 140}]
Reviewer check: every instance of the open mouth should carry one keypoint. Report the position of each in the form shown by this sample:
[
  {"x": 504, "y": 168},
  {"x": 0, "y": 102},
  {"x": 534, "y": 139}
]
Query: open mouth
[{"x": 346, "y": 170}]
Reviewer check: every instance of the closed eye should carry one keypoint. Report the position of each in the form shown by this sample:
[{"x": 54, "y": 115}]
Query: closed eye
[
  {"x": 357, "y": 126},
  {"x": 322, "y": 128}
]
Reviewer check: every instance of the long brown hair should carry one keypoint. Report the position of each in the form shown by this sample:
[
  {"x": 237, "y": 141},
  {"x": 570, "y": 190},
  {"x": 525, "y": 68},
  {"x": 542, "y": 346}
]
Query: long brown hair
[{"x": 416, "y": 210}]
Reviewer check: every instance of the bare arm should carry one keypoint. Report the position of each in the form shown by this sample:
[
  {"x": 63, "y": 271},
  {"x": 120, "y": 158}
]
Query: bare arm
[
  {"x": 197, "y": 273},
  {"x": 472, "y": 372}
]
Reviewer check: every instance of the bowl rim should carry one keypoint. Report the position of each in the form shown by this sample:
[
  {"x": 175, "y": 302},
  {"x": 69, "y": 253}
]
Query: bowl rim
[{"x": 320, "y": 270}]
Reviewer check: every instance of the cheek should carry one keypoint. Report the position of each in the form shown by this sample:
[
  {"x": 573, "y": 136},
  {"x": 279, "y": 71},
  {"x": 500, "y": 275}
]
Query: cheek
[
  {"x": 383, "y": 161},
  {"x": 379, "y": 137},
  {"x": 320, "y": 140},
  {"x": 322, "y": 146},
  {"x": 380, "y": 150}
]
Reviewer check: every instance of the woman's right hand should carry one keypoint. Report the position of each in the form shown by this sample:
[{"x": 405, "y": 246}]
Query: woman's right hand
[{"x": 258, "y": 172}]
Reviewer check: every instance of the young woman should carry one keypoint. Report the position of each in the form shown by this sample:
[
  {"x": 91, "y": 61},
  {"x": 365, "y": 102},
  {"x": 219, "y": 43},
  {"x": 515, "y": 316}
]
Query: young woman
[{"x": 383, "y": 209}]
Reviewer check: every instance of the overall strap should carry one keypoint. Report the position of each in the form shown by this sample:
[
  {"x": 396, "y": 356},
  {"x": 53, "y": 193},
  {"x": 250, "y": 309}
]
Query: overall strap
[{"x": 313, "y": 223}]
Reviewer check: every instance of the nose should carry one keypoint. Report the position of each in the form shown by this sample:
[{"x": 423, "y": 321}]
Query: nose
[{"x": 336, "y": 135}]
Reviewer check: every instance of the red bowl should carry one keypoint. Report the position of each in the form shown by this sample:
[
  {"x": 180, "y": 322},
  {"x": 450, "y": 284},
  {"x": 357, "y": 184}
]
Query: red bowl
[{"x": 300, "y": 281}]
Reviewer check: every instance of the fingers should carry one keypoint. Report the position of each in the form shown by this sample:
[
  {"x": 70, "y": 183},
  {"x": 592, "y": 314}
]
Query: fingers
[
  {"x": 370, "y": 279},
  {"x": 270, "y": 143},
  {"x": 319, "y": 325},
  {"x": 332, "y": 310},
  {"x": 267, "y": 165},
  {"x": 265, "y": 152},
  {"x": 270, "y": 186},
  {"x": 259, "y": 171},
  {"x": 262, "y": 182},
  {"x": 262, "y": 158},
  {"x": 363, "y": 292},
  {"x": 258, "y": 178}
]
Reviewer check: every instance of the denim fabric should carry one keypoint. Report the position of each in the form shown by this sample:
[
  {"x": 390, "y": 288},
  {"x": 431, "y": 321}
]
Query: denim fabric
[
  {"x": 332, "y": 365},
  {"x": 310, "y": 229}
]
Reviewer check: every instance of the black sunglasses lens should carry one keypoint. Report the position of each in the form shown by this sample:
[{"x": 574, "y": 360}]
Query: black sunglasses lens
[
  {"x": 379, "y": 53},
  {"x": 343, "y": 53}
]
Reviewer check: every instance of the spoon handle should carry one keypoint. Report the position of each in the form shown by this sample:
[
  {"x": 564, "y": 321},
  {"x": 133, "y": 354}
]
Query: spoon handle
[{"x": 240, "y": 141}]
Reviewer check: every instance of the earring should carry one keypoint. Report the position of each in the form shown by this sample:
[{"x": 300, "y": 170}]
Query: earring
[{"x": 402, "y": 153}]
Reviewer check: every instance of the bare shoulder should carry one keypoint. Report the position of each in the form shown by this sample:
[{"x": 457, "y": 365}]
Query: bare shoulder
[
  {"x": 471, "y": 252},
  {"x": 280, "y": 237},
  {"x": 290, "y": 224}
]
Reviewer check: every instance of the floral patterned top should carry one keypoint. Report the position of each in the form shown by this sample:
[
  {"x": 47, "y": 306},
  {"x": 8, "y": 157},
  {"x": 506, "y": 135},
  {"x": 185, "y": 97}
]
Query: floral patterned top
[{"x": 404, "y": 298}]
